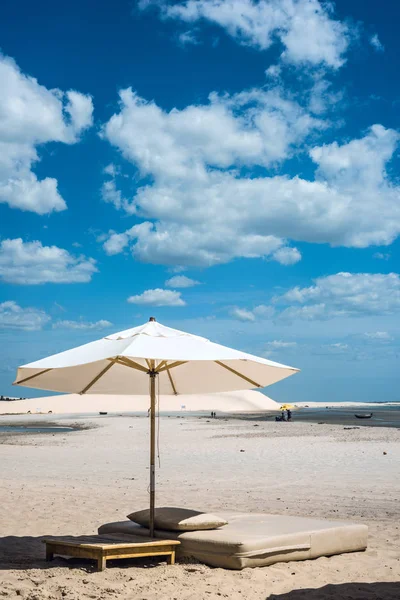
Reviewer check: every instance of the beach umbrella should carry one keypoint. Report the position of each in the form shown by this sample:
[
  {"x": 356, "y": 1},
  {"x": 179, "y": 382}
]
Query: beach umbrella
[{"x": 151, "y": 359}]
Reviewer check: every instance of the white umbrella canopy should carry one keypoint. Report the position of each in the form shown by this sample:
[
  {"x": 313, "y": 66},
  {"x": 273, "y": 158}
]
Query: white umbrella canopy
[
  {"x": 120, "y": 363},
  {"x": 131, "y": 361}
]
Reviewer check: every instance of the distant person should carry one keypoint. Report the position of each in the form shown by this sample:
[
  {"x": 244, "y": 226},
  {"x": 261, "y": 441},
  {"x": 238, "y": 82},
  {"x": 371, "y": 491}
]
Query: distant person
[
  {"x": 289, "y": 415},
  {"x": 283, "y": 415}
]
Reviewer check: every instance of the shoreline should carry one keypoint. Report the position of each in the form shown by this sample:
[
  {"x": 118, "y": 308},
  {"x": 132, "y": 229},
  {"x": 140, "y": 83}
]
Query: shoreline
[{"x": 382, "y": 416}]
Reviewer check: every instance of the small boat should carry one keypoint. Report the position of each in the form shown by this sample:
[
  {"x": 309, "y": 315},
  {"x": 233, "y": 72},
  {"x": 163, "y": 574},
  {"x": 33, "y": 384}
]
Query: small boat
[
  {"x": 364, "y": 415},
  {"x": 102, "y": 413}
]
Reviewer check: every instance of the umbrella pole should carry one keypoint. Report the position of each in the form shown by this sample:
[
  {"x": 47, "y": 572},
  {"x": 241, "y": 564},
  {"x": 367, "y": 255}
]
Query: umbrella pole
[{"x": 153, "y": 375}]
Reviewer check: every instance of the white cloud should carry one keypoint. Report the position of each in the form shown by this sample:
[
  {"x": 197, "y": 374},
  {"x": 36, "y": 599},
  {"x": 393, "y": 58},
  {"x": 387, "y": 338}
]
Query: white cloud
[
  {"x": 286, "y": 255},
  {"x": 278, "y": 344},
  {"x": 158, "y": 297},
  {"x": 254, "y": 127},
  {"x": 306, "y": 28},
  {"x": 258, "y": 313},
  {"x": 273, "y": 71},
  {"x": 30, "y": 263},
  {"x": 85, "y": 325},
  {"x": 343, "y": 295},
  {"x": 115, "y": 243},
  {"x": 376, "y": 43},
  {"x": 202, "y": 209},
  {"x": 13, "y": 316},
  {"x": 180, "y": 149},
  {"x": 188, "y": 38},
  {"x": 382, "y": 255},
  {"x": 242, "y": 314},
  {"x": 339, "y": 347},
  {"x": 181, "y": 281},
  {"x": 264, "y": 312},
  {"x": 30, "y": 116},
  {"x": 111, "y": 194},
  {"x": 382, "y": 336}
]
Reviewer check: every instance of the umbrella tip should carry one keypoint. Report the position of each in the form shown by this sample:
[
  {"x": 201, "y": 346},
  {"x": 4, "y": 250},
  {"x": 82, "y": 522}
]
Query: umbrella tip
[{"x": 152, "y": 319}]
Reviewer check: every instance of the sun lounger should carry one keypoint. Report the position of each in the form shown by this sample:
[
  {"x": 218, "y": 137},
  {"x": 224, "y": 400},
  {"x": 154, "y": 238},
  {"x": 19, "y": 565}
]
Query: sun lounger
[{"x": 258, "y": 540}]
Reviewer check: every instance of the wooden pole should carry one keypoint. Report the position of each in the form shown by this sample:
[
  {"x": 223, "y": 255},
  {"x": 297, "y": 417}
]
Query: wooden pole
[{"x": 153, "y": 376}]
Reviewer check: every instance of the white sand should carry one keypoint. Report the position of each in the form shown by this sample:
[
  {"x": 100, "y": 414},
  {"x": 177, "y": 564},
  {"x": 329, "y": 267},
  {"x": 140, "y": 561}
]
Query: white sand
[
  {"x": 72, "y": 483},
  {"x": 228, "y": 402}
]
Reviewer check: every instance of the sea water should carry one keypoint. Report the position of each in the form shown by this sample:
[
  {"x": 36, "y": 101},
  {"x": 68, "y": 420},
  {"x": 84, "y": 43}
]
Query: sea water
[{"x": 22, "y": 429}]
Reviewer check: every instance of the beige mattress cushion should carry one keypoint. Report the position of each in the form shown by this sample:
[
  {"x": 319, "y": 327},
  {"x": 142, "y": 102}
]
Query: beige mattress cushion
[
  {"x": 256, "y": 540},
  {"x": 171, "y": 518}
]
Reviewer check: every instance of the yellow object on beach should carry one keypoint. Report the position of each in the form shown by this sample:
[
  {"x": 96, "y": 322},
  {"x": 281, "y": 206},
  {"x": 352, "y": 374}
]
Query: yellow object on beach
[{"x": 286, "y": 406}]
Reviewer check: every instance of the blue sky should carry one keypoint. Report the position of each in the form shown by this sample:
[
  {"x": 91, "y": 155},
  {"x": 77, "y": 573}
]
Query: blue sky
[{"x": 230, "y": 167}]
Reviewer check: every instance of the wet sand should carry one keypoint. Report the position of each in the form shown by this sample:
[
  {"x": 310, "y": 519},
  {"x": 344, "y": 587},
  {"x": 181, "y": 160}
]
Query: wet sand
[{"x": 381, "y": 416}]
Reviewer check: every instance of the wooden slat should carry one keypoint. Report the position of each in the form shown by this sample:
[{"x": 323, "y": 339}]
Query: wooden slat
[
  {"x": 103, "y": 542},
  {"x": 101, "y": 552}
]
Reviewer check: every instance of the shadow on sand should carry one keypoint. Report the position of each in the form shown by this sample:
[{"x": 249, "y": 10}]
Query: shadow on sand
[{"x": 345, "y": 591}]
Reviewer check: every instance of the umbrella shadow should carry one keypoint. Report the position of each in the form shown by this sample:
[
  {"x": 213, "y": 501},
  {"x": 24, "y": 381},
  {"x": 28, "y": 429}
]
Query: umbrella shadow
[
  {"x": 27, "y": 552},
  {"x": 345, "y": 591}
]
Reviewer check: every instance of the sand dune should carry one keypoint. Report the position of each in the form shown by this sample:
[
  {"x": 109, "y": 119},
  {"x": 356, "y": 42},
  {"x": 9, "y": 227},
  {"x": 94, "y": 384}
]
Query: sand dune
[{"x": 228, "y": 402}]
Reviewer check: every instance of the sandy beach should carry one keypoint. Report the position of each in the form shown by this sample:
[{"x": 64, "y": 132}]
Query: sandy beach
[{"x": 70, "y": 483}]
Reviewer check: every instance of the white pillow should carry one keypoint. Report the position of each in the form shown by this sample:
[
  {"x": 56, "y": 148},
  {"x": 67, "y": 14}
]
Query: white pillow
[{"x": 178, "y": 519}]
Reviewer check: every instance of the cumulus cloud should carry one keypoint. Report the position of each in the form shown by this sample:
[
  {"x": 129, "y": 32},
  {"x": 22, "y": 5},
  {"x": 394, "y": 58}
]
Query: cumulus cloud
[
  {"x": 188, "y": 38},
  {"x": 278, "y": 344},
  {"x": 342, "y": 295},
  {"x": 338, "y": 347},
  {"x": 286, "y": 255},
  {"x": 191, "y": 154},
  {"x": 256, "y": 127},
  {"x": 376, "y": 43},
  {"x": 111, "y": 194},
  {"x": 203, "y": 208},
  {"x": 30, "y": 116},
  {"x": 242, "y": 314},
  {"x": 158, "y": 297},
  {"x": 13, "y": 316},
  {"x": 257, "y": 313},
  {"x": 382, "y": 336},
  {"x": 82, "y": 325},
  {"x": 382, "y": 255},
  {"x": 31, "y": 263},
  {"x": 306, "y": 28},
  {"x": 181, "y": 281}
]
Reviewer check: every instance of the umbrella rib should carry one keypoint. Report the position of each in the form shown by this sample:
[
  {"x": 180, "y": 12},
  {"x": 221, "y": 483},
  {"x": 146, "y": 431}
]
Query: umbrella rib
[
  {"x": 172, "y": 365},
  {"x": 95, "y": 379},
  {"x": 127, "y": 362},
  {"x": 172, "y": 382},
  {"x": 32, "y": 377},
  {"x": 221, "y": 364},
  {"x": 161, "y": 364}
]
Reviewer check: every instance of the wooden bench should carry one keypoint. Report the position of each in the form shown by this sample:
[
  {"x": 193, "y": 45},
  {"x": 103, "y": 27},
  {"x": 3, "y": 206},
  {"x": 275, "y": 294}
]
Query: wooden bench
[{"x": 110, "y": 546}]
